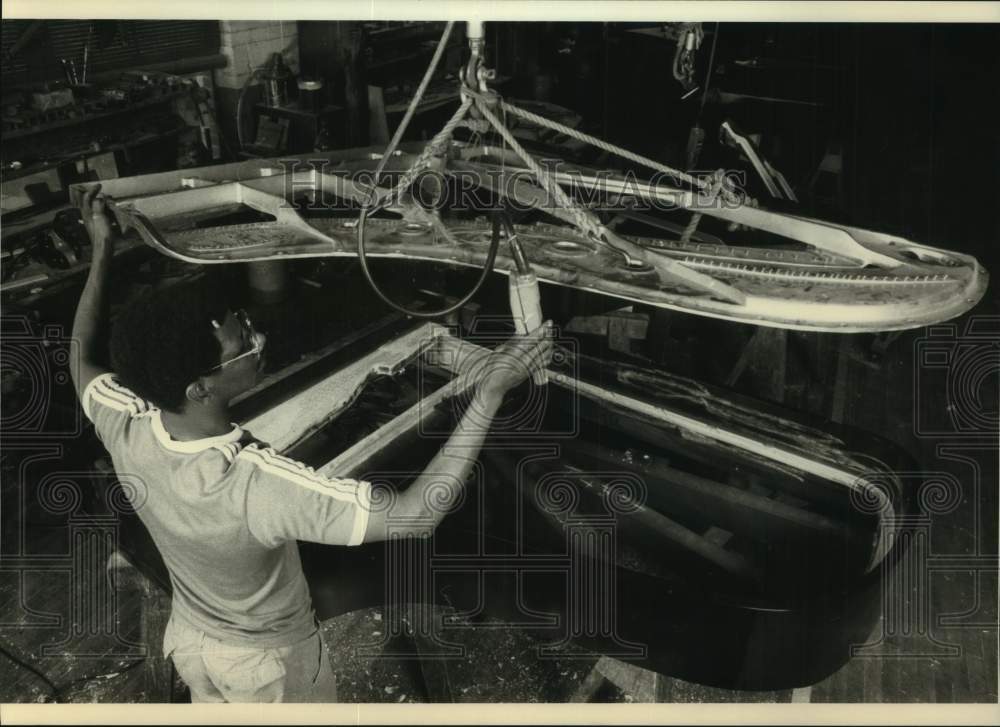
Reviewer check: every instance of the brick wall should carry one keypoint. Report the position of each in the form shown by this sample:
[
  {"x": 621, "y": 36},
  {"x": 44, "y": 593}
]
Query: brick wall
[{"x": 247, "y": 44}]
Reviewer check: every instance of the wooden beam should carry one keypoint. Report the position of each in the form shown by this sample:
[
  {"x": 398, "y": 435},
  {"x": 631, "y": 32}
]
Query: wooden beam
[
  {"x": 638, "y": 683},
  {"x": 277, "y": 377},
  {"x": 310, "y": 409},
  {"x": 351, "y": 461},
  {"x": 588, "y": 689}
]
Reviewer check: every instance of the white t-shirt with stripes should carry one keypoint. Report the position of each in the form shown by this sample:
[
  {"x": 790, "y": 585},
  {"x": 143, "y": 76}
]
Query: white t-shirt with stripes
[{"x": 225, "y": 513}]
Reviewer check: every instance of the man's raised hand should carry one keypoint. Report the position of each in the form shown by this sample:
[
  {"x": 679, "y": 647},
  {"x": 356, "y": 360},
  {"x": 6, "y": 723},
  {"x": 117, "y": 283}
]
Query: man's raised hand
[
  {"x": 94, "y": 211},
  {"x": 511, "y": 363}
]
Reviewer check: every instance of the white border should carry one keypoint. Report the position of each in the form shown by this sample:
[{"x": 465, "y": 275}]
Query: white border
[
  {"x": 566, "y": 10},
  {"x": 879, "y": 11},
  {"x": 595, "y": 714}
]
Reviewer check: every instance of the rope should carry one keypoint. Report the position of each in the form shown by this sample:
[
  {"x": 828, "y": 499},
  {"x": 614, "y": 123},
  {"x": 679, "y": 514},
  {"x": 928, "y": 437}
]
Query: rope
[
  {"x": 583, "y": 219},
  {"x": 440, "y": 139},
  {"x": 434, "y": 146},
  {"x": 606, "y": 146},
  {"x": 691, "y": 227},
  {"x": 718, "y": 185},
  {"x": 708, "y": 73},
  {"x": 419, "y": 94}
]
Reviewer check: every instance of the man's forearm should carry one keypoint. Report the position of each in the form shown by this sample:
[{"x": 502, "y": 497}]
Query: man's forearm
[
  {"x": 434, "y": 493},
  {"x": 452, "y": 464},
  {"x": 88, "y": 324}
]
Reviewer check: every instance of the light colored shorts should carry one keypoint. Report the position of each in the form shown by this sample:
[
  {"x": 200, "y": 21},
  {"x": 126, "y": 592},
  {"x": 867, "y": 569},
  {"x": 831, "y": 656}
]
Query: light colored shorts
[{"x": 219, "y": 672}]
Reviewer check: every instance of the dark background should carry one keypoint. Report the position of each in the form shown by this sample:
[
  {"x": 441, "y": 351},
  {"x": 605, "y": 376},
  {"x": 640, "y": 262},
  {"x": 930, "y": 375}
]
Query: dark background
[{"x": 912, "y": 104}]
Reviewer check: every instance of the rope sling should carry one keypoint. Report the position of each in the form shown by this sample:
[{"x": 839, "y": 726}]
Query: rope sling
[{"x": 586, "y": 221}]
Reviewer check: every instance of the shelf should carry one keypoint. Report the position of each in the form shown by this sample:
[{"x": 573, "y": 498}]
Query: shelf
[
  {"x": 36, "y": 278},
  {"x": 77, "y": 120},
  {"x": 416, "y": 55},
  {"x": 56, "y": 162}
]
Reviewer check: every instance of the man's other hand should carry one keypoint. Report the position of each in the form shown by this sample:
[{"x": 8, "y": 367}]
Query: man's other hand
[
  {"x": 94, "y": 211},
  {"x": 510, "y": 364}
]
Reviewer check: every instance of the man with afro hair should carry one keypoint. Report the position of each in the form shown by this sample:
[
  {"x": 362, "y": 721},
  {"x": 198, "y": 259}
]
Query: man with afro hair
[{"x": 224, "y": 510}]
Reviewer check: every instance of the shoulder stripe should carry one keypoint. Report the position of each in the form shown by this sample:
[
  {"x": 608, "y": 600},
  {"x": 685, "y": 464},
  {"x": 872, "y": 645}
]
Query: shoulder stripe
[
  {"x": 347, "y": 486},
  {"x": 134, "y": 404},
  {"x": 113, "y": 383},
  {"x": 293, "y": 467},
  {"x": 305, "y": 482},
  {"x": 116, "y": 387},
  {"x": 362, "y": 515},
  {"x": 300, "y": 475},
  {"x": 102, "y": 398},
  {"x": 87, "y": 396},
  {"x": 229, "y": 450},
  {"x": 124, "y": 403}
]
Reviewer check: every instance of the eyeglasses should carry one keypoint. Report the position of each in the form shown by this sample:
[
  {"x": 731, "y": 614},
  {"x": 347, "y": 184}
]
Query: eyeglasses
[{"x": 256, "y": 340}]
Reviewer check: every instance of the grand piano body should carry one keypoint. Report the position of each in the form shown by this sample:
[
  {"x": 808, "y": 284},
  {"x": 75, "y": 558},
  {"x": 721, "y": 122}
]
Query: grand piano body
[{"x": 616, "y": 510}]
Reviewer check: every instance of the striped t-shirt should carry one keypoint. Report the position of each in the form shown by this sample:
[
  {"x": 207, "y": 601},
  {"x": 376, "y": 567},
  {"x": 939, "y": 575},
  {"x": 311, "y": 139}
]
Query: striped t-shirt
[{"x": 225, "y": 513}]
